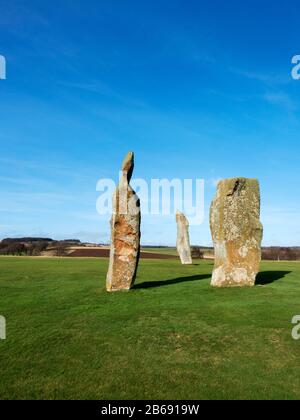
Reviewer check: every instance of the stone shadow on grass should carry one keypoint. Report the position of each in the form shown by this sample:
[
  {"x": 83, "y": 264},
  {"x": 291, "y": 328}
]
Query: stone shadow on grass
[
  {"x": 160, "y": 283},
  {"x": 268, "y": 277}
]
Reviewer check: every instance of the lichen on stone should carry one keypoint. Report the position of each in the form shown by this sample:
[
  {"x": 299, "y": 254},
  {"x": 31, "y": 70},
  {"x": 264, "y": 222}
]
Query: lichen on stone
[
  {"x": 125, "y": 232},
  {"x": 183, "y": 239},
  {"x": 236, "y": 232}
]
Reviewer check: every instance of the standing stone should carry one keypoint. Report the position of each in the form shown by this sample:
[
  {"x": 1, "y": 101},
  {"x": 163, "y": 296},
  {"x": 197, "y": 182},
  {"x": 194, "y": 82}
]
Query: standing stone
[
  {"x": 125, "y": 232},
  {"x": 236, "y": 232},
  {"x": 183, "y": 239}
]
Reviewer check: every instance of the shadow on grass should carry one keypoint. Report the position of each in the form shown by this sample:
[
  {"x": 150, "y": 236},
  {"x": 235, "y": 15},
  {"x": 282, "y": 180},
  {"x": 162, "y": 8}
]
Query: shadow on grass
[
  {"x": 268, "y": 277},
  {"x": 150, "y": 284}
]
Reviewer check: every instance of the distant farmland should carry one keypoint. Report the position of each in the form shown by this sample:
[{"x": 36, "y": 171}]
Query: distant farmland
[
  {"x": 47, "y": 247},
  {"x": 104, "y": 253}
]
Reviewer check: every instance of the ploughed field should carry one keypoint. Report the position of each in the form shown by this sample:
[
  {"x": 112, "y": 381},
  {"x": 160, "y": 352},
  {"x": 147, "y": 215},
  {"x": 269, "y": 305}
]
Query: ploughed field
[
  {"x": 104, "y": 253},
  {"x": 172, "y": 337}
]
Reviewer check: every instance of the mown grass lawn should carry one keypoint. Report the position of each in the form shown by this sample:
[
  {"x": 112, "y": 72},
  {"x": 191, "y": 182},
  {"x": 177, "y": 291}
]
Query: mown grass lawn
[{"x": 173, "y": 337}]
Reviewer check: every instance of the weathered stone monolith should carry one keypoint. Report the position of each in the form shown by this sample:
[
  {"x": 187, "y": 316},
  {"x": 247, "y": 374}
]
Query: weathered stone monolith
[
  {"x": 125, "y": 232},
  {"x": 183, "y": 239},
  {"x": 236, "y": 232}
]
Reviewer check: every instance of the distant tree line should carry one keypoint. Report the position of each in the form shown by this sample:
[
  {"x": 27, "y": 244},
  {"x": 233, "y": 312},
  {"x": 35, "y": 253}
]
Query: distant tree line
[
  {"x": 35, "y": 246},
  {"x": 26, "y": 240},
  {"x": 281, "y": 253},
  {"x": 17, "y": 247},
  {"x": 197, "y": 252},
  {"x": 268, "y": 253}
]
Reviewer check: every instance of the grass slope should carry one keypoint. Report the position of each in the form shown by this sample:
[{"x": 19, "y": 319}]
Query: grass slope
[{"x": 173, "y": 337}]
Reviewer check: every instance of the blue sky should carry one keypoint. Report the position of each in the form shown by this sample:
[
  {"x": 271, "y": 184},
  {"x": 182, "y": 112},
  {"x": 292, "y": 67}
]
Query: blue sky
[{"x": 198, "y": 89}]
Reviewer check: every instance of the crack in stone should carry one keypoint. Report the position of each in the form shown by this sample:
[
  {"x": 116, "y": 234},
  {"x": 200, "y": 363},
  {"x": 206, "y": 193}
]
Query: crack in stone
[{"x": 238, "y": 187}]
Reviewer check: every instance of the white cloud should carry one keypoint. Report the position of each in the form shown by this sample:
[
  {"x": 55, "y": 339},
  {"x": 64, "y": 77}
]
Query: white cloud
[{"x": 281, "y": 99}]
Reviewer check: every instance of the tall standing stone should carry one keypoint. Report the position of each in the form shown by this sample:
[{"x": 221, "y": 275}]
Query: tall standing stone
[
  {"x": 236, "y": 232},
  {"x": 125, "y": 232},
  {"x": 183, "y": 239}
]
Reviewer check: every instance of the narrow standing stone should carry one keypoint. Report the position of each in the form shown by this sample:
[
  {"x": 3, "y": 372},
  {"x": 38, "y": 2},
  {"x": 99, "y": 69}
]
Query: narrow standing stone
[
  {"x": 125, "y": 232},
  {"x": 183, "y": 239},
  {"x": 236, "y": 232}
]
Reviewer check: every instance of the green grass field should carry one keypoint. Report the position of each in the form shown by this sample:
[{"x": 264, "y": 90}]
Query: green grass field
[
  {"x": 165, "y": 251},
  {"x": 172, "y": 337}
]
